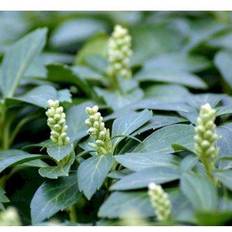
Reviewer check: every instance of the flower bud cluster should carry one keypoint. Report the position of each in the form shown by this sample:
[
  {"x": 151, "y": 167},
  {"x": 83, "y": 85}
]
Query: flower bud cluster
[
  {"x": 119, "y": 52},
  {"x": 98, "y": 132},
  {"x": 160, "y": 201},
  {"x": 57, "y": 123},
  {"x": 9, "y": 217},
  {"x": 206, "y": 137}
]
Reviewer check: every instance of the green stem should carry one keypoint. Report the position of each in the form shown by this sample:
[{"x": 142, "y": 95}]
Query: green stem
[
  {"x": 19, "y": 126},
  {"x": 72, "y": 214}
]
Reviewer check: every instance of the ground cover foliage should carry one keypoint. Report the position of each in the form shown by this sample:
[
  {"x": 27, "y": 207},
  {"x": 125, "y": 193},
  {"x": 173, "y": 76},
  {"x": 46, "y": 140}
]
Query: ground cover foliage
[{"x": 115, "y": 118}]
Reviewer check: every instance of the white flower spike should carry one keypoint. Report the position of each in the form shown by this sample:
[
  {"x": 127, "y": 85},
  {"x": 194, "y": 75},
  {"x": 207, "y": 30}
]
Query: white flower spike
[
  {"x": 206, "y": 138},
  {"x": 57, "y": 123},
  {"x": 98, "y": 132},
  {"x": 119, "y": 53},
  {"x": 160, "y": 201}
]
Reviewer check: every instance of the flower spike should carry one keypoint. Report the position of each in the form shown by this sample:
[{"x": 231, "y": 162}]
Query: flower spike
[
  {"x": 160, "y": 201},
  {"x": 57, "y": 123},
  {"x": 98, "y": 132},
  {"x": 206, "y": 138},
  {"x": 119, "y": 53}
]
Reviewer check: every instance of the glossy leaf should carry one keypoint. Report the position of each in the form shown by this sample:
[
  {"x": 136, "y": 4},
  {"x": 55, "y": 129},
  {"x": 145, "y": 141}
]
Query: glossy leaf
[
  {"x": 128, "y": 123},
  {"x": 162, "y": 140},
  {"x": 92, "y": 173},
  {"x": 18, "y": 59},
  {"x": 142, "y": 178},
  {"x": 13, "y": 157},
  {"x": 53, "y": 196},
  {"x": 200, "y": 191},
  {"x": 139, "y": 161},
  {"x": 120, "y": 203},
  {"x": 61, "y": 169},
  {"x": 59, "y": 152}
]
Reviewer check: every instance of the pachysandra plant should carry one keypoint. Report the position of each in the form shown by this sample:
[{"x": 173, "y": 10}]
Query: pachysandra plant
[
  {"x": 144, "y": 134},
  {"x": 119, "y": 54},
  {"x": 206, "y": 138},
  {"x": 57, "y": 123},
  {"x": 160, "y": 201},
  {"x": 98, "y": 132}
]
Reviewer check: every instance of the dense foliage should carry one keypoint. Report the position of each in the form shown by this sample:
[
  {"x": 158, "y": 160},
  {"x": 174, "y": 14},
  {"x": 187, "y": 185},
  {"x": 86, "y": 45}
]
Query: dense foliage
[{"x": 118, "y": 118}]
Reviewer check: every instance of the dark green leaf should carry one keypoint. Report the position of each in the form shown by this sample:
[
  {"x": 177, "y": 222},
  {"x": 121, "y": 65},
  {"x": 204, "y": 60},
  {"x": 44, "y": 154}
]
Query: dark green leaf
[
  {"x": 225, "y": 177},
  {"x": 39, "y": 96},
  {"x": 61, "y": 169},
  {"x": 13, "y": 157},
  {"x": 169, "y": 76},
  {"x": 119, "y": 203},
  {"x": 18, "y": 58},
  {"x": 178, "y": 62},
  {"x": 200, "y": 191},
  {"x": 59, "y": 152},
  {"x": 60, "y": 73},
  {"x": 161, "y": 141},
  {"x": 92, "y": 173},
  {"x": 128, "y": 123},
  {"x": 54, "y": 196},
  {"x": 73, "y": 31},
  {"x": 142, "y": 178},
  {"x": 139, "y": 161},
  {"x": 76, "y": 117}
]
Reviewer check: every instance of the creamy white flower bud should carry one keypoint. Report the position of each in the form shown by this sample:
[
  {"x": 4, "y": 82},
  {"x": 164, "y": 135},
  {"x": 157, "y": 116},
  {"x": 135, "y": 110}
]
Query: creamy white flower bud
[
  {"x": 98, "y": 132},
  {"x": 206, "y": 138},
  {"x": 160, "y": 201},
  {"x": 57, "y": 123},
  {"x": 119, "y": 52}
]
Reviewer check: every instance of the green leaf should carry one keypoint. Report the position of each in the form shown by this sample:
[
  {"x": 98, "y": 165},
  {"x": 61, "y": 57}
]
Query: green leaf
[
  {"x": 117, "y": 101},
  {"x": 157, "y": 39},
  {"x": 178, "y": 62},
  {"x": 225, "y": 131},
  {"x": 92, "y": 173},
  {"x": 223, "y": 61},
  {"x": 221, "y": 41},
  {"x": 94, "y": 46},
  {"x": 39, "y": 96},
  {"x": 119, "y": 203},
  {"x": 59, "y": 152},
  {"x": 18, "y": 59},
  {"x": 61, "y": 169},
  {"x": 139, "y": 161},
  {"x": 170, "y": 76},
  {"x": 161, "y": 141},
  {"x": 128, "y": 123},
  {"x": 53, "y": 196},
  {"x": 13, "y": 157},
  {"x": 214, "y": 218},
  {"x": 200, "y": 191},
  {"x": 74, "y": 31},
  {"x": 76, "y": 117},
  {"x": 3, "y": 198},
  {"x": 60, "y": 73},
  {"x": 167, "y": 92},
  {"x": 188, "y": 163},
  {"x": 142, "y": 178},
  {"x": 159, "y": 121},
  {"x": 225, "y": 177}
]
